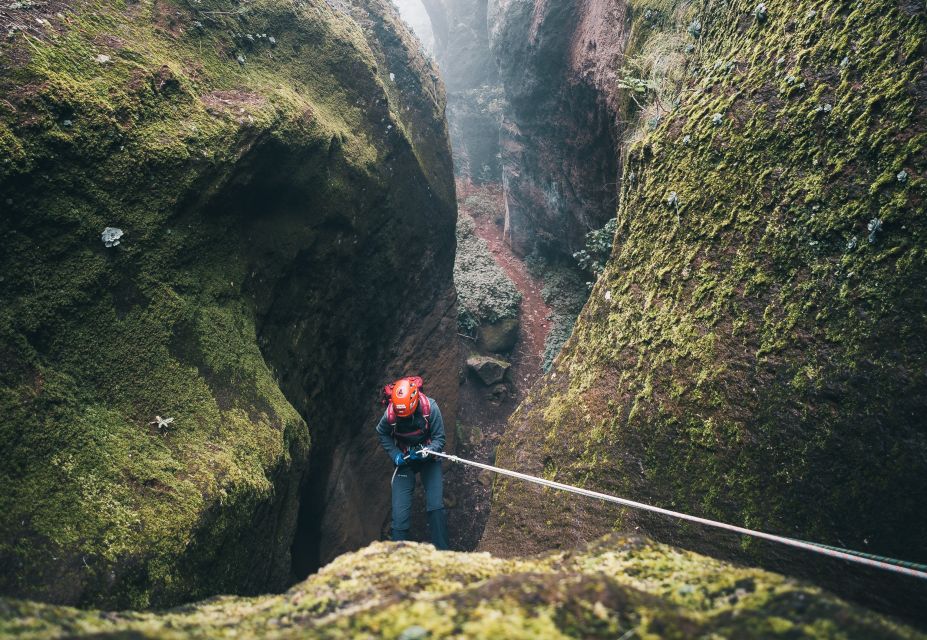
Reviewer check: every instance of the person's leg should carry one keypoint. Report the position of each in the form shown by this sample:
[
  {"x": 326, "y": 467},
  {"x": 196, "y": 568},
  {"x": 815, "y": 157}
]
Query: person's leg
[
  {"x": 402, "y": 485},
  {"x": 433, "y": 481},
  {"x": 437, "y": 522}
]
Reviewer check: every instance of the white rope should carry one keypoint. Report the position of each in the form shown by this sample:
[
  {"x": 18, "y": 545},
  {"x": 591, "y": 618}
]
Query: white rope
[{"x": 684, "y": 516}]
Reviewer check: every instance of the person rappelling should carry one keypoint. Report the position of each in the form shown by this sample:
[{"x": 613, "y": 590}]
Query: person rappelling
[{"x": 411, "y": 428}]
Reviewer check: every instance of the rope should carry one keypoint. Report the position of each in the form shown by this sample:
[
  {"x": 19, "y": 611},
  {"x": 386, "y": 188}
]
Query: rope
[
  {"x": 879, "y": 562},
  {"x": 872, "y": 556}
]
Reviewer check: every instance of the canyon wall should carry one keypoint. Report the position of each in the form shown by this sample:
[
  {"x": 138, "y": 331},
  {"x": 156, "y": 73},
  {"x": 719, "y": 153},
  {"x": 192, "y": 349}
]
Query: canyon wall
[
  {"x": 558, "y": 61},
  {"x": 474, "y": 95},
  {"x": 206, "y": 275},
  {"x": 754, "y": 351}
]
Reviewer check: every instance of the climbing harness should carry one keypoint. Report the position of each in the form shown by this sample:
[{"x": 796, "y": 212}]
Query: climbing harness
[
  {"x": 403, "y": 439},
  {"x": 889, "y": 564}
]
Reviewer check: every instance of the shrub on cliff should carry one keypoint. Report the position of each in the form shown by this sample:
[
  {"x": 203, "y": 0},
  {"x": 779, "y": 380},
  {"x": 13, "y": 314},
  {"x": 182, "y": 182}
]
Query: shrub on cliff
[
  {"x": 598, "y": 248},
  {"x": 485, "y": 293}
]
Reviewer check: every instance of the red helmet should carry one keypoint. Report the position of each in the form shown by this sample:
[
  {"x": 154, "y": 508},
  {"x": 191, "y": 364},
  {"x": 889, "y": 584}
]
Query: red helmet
[{"x": 404, "y": 397}]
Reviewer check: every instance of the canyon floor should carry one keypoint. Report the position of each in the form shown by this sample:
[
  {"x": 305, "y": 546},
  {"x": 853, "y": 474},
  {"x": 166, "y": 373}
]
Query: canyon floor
[{"x": 482, "y": 417}]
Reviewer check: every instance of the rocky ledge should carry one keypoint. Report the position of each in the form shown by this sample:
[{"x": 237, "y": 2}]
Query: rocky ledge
[{"x": 620, "y": 587}]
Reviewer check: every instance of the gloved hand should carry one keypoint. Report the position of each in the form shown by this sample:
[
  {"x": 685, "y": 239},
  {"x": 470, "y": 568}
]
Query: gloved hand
[
  {"x": 399, "y": 460},
  {"x": 416, "y": 454}
]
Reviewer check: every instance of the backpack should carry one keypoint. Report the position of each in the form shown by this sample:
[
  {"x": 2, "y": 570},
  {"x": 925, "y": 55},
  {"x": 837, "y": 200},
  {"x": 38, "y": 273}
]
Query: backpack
[{"x": 424, "y": 407}]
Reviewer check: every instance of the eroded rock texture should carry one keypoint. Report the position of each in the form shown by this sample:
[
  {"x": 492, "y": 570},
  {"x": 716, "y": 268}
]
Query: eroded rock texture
[
  {"x": 255, "y": 157},
  {"x": 620, "y": 587},
  {"x": 755, "y": 350},
  {"x": 558, "y": 62}
]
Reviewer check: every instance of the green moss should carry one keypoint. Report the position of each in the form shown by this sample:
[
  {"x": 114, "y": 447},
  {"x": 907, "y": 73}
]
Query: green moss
[
  {"x": 139, "y": 115},
  {"x": 620, "y": 586},
  {"x": 653, "y": 67},
  {"x": 762, "y": 355}
]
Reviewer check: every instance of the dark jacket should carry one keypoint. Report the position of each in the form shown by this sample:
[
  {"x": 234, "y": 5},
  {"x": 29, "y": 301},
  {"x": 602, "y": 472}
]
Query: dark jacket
[{"x": 409, "y": 425}]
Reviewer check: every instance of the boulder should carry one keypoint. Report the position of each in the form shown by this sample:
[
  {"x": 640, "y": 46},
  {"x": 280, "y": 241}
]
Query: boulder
[
  {"x": 489, "y": 370},
  {"x": 498, "y": 337}
]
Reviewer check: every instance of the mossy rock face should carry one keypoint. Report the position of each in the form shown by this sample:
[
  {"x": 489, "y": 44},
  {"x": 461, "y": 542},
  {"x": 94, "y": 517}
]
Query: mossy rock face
[
  {"x": 621, "y": 587},
  {"x": 252, "y": 155},
  {"x": 755, "y": 349}
]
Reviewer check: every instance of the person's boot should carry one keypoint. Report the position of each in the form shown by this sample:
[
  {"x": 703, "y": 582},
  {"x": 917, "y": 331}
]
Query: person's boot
[
  {"x": 437, "y": 522},
  {"x": 399, "y": 535}
]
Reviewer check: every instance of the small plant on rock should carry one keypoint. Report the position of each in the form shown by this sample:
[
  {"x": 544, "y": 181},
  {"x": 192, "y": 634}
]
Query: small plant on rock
[
  {"x": 598, "y": 247},
  {"x": 695, "y": 29}
]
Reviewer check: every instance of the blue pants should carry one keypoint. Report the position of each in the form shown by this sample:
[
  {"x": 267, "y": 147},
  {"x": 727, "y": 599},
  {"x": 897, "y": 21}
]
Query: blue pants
[{"x": 403, "y": 484}]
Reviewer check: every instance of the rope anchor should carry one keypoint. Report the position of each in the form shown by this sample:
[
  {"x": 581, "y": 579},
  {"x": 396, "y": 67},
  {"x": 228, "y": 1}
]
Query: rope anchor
[{"x": 888, "y": 564}]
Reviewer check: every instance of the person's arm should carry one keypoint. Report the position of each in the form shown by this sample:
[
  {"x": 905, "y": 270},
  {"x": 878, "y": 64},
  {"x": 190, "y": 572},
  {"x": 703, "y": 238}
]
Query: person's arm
[
  {"x": 437, "y": 428},
  {"x": 385, "y": 433}
]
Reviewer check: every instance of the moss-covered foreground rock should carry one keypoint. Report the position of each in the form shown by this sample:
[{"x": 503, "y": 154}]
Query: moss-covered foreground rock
[
  {"x": 621, "y": 587},
  {"x": 254, "y": 156},
  {"x": 755, "y": 349}
]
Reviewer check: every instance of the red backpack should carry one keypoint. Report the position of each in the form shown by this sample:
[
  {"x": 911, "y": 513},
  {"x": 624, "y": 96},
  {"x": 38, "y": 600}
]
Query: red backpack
[{"x": 424, "y": 407}]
